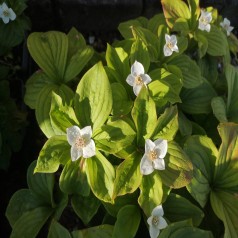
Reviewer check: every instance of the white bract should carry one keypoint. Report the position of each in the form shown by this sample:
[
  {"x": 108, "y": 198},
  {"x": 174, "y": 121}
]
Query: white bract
[
  {"x": 137, "y": 78},
  {"x": 156, "y": 221},
  {"x": 154, "y": 156},
  {"x": 204, "y": 21},
  {"x": 226, "y": 25},
  {"x": 81, "y": 142},
  {"x": 170, "y": 45},
  {"x": 6, "y": 13}
]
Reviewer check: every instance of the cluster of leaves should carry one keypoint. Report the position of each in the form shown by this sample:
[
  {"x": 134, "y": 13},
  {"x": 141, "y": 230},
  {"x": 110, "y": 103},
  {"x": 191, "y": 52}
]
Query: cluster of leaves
[
  {"x": 12, "y": 119},
  {"x": 13, "y": 33},
  {"x": 191, "y": 103}
]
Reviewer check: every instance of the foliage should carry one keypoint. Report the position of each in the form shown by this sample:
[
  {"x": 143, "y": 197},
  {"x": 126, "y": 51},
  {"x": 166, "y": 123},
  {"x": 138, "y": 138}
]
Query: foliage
[
  {"x": 183, "y": 105},
  {"x": 12, "y": 117}
]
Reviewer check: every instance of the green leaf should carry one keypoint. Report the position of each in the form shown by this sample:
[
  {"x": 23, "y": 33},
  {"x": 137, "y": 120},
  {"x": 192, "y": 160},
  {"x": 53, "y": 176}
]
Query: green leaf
[
  {"x": 41, "y": 184},
  {"x": 76, "y": 42},
  {"x": 102, "y": 231},
  {"x": 198, "y": 100},
  {"x": 58, "y": 231},
  {"x": 43, "y": 105},
  {"x": 22, "y": 201},
  {"x": 55, "y": 151},
  {"x": 225, "y": 206},
  {"x": 101, "y": 176},
  {"x": 77, "y": 62},
  {"x": 178, "y": 208},
  {"x": 114, "y": 136},
  {"x": 167, "y": 124},
  {"x": 140, "y": 53},
  {"x": 202, "y": 43},
  {"x": 119, "y": 202},
  {"x": 93, "y": 99},
  {"x": 85, "y": 207},
  {"x": 155, "y": 22},
  {"x": 118, "y": 60},
  {"x": 184, "y": 229},
  {"x": 226, "y": 167},
  {"x": 178, "y": 168},
  {"x": 232, "y": 99},
  {"x": 121, "y": 103},
  {"x": 152, "y": 192},
  {"x": 217, "y": 41},
  {"x": 30, "y": 223},
  {"x": 62, "y": 116},
  {"x": 202, "y": 152},
  {"x": 184, "y": 124},
  {"x": 165, "y": 87},
  {"x": 49, "y": 50},
  {"x": 144, "y": 115},
  {"x": 219, "y": 109},
  {"x": 209, "y": 68},
  {"x": 34, "y": 84},
  {"x": 233, "y": 43},
  {"x": 13, "y": 33},
  {"x": 73, "y": 179},
  {"x": 127, "y": 223},
  {"x": 195, "y": 12},
  {"x": 174, "y": 10},
  {"x": 125, "y": 28},
  {"x": 150, "y": 41},
  {"x": 128, "y": 175},
  {"x": 181, "y": 25},
  {"x": 190, "y": 71}
]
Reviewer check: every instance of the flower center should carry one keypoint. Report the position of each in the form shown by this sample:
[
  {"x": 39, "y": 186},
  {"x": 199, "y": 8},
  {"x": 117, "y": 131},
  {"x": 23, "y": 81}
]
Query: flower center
[
  {"x": 226, "y": 27},
  {"x": 153, "y": 155},
  {"x": 138, "y": 80},
  {"x": 204, "y": 20},
  {"x": 170, "y": 45},
  {"x": 6, "y": 13},
  {"x": 80, "y": 142},
  {"x": 155, "y": 220}
]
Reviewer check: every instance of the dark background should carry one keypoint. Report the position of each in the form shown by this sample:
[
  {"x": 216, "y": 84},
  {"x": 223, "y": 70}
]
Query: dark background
[{"x": 93, "y": 18}]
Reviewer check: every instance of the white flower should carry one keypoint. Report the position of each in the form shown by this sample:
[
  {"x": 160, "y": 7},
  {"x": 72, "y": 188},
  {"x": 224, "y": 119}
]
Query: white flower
[
  {"x": 170, "y": 45},
  {"x": 154, "y": 156},
  {"x": 156, "y": 221},
  {"x": 226, "y": 26},
  {"x": 138, "y": 78},
  {"x": 204, "y": 21},
  {"x": 6, "y": 13},
  {"x": 81, "y": 142}
]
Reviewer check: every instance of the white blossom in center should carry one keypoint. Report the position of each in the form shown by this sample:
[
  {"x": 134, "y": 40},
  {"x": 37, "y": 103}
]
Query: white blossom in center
[
  {"x": 138, "y": 78},
  {"x": 154, "y": 156},
  {"x": 81, "y": 142}
]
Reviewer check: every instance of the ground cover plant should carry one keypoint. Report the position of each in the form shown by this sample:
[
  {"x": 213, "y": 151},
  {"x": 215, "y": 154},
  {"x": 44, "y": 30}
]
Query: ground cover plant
[
  {"x": 12, "y": 116},
  {"x": 142, "y": 138}
]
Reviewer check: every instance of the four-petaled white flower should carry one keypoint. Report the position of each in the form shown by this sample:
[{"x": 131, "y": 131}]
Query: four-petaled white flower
[
  {"x": 204, "y": 21},
  {"x": 81, "y": 142},
  {"x": 170, "y": 45},
  {"x": 138, "y": 78},
  {"x": 156, "y": 221},
  {"x": 6, "y": 13},
  {"x": 154, "y": 156},
  {"x": 226, "y": 26}
]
